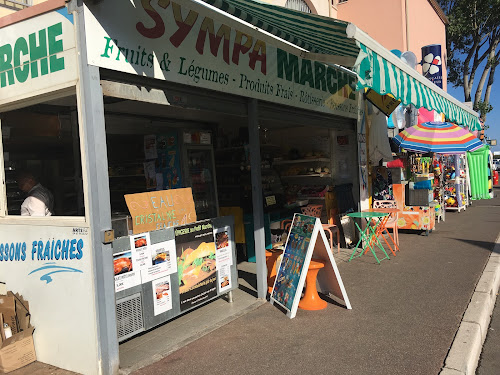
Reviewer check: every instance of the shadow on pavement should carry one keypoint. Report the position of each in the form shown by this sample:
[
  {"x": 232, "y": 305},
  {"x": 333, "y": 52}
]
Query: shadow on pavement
[
  {"x": 246, "y": 289},
  {"x": 490, "y": 246},
  {"x": 251, "y": 279}
]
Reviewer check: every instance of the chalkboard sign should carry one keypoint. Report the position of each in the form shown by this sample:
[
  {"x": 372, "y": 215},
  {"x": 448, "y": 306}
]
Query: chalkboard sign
[
  {"x": 306, "y": 240},
  {"x": 161, "y": 209}
]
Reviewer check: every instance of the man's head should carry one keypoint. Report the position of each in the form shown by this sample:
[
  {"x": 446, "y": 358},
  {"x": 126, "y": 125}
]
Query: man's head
[{"x": 26, "y": 181}]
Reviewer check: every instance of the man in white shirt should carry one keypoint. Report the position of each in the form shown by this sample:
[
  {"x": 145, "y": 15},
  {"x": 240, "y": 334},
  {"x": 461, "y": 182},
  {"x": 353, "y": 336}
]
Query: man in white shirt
[{"x": 39, "y": 201}]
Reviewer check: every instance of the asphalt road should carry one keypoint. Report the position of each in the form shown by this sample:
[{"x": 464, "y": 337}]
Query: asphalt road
[{"x": 405, "y": 313}]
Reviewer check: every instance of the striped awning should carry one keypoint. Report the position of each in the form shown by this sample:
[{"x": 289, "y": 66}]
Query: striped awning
[
  {"x": 377, "y": 73},
  {"x": 316, "y": 34},
  {"x": 333, "y": 41}
]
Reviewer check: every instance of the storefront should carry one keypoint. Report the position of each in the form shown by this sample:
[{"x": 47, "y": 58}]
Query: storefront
[
  {"x": 160, "y": 97},
  {"x": 97, "y": 107}
]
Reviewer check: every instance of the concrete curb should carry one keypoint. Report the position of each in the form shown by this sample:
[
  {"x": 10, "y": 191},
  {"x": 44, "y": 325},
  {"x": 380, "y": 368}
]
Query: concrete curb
[{"x": 466, "y": 348}]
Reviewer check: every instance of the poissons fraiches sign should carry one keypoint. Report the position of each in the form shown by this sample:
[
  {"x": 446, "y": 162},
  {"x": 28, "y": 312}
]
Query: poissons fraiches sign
[
  {"x": 37, "y": 54},
  {"x": 177, "y": 42}
]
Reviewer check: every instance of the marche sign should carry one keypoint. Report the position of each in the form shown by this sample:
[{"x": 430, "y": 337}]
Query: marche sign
[{"x": 306, "y": 240}]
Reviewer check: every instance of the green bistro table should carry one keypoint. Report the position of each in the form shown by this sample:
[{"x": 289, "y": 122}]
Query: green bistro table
[{"x": 369, "y": 234}]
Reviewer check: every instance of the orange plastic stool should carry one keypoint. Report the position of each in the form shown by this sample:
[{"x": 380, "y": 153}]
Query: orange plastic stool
[
  {"x": 271, "y": 257},
  {"x": 311, "y": 299}
]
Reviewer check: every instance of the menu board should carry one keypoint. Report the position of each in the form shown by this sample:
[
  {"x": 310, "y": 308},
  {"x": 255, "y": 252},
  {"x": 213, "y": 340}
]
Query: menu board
[
  {"x": 196, "y": 263},
  {"x": 293, "y": 261},
  {"x": 223, "y": 257},
  {"x": 161, "y": 209},
  {"x": 305, "y": 240}
]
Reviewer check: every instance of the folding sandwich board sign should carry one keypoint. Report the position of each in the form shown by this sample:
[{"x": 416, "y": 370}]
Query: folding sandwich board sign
[{"x": 306, "y": 240}]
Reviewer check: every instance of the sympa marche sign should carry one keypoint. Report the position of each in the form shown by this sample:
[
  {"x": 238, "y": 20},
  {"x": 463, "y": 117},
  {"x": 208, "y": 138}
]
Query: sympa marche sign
[
  {"x": 186, "y": 43},
  {"x": 37, "y": 54}
]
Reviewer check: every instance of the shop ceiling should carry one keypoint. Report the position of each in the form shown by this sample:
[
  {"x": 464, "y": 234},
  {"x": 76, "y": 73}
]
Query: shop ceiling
[{"x": 333, "y": 41}]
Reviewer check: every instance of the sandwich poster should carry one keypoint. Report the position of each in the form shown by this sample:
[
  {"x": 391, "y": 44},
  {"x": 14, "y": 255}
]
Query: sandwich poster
[{"x": 196, "y": 263}]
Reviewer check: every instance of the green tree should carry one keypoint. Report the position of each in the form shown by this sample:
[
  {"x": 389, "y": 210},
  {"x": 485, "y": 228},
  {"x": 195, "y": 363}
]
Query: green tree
[{"x": 473, "y": 38}]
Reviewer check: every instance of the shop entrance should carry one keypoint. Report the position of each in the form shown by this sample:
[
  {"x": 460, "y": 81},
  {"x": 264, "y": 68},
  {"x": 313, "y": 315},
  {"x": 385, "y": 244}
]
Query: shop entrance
[{"x": 206, "y": 146}]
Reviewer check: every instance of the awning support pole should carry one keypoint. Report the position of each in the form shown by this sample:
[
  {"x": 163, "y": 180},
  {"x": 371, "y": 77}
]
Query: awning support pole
[
  {"x": 257, "y": 200},
  {"x": 97, "y": 199}
]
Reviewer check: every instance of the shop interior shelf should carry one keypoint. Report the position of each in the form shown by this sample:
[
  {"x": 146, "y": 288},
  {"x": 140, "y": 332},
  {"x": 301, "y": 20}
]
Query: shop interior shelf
[
  {"x": 13, "y": 199},
  {"x": 127, "y": 175},
  {"x": 235, "y": 148},
  {"x": 308, "y": 175},
  {"x": 312, "y": 160},
  {"x": 232, "y": 165}
]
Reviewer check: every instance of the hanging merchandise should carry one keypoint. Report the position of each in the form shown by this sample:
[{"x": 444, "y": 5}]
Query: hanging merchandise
[
  {"x": 478, "y": 169},
  {"x": 397, "y": 119},
  {"x": 438, "y": 188},
  {"x": 411, "y": 116},
  {"x": 456, "y": 194},
  {"x": 378, "y": 140},
  {"x": 382, "y": 184}
]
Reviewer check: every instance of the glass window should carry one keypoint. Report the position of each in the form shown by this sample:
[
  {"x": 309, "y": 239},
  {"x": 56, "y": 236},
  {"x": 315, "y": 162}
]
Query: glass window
[{"x": 42, "y": 163}]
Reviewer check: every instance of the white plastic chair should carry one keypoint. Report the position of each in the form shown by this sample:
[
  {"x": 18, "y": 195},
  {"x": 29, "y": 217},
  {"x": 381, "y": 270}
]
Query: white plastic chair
[{"x": 392, "y": 223}]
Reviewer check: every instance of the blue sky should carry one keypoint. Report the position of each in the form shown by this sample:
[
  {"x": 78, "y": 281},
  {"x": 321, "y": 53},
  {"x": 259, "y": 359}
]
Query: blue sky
[{"x": 493, "y": 118}]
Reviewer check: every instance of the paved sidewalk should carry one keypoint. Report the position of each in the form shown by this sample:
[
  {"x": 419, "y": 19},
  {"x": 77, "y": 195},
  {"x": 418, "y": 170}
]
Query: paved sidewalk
[
  {"x": 405, "y": 314},
  {"x": 405, "y": 317}
]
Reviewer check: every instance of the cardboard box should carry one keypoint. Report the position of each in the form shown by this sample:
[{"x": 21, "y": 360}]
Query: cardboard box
[
  {"x": 15, "y": 310},
  {"x": 8, "y": 310},
  {"x": 17, "y": 351}
]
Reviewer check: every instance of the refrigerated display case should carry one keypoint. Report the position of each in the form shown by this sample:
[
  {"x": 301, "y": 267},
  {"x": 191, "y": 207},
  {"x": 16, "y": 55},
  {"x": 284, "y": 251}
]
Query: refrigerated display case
[{"x": 200, "y": 174}]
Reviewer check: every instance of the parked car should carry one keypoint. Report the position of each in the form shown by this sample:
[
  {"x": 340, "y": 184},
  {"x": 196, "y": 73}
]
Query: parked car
[{"x": 496, "y": 164}]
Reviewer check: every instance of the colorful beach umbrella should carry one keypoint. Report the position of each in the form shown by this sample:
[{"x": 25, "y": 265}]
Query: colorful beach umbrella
[{"x": 438, "y": 137}]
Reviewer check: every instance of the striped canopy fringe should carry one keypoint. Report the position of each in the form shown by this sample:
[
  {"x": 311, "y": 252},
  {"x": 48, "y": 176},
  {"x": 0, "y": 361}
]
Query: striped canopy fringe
[
  {"x": 380, "y": 75},
  {"x": 311, "y": 32}
]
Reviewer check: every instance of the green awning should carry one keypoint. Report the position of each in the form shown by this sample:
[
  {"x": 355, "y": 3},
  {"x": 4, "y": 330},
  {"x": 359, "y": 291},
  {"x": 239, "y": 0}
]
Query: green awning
[
  {"x": 377, "y": 73},
  {"x": 314, "y": 33},
  {"x": 333, "y": 41}
]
